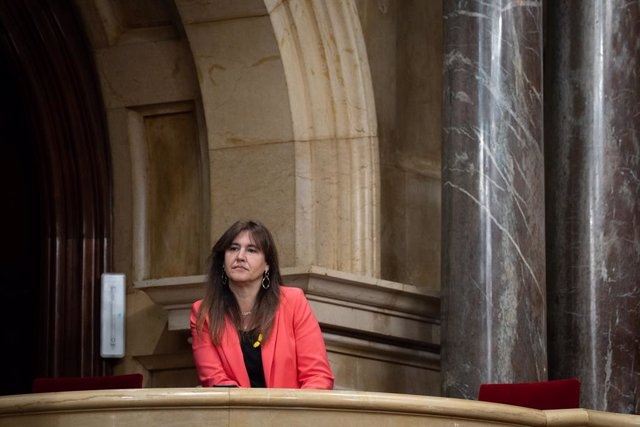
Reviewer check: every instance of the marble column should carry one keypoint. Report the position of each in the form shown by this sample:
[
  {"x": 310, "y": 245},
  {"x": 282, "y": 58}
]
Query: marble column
[
  {"x": 493, "y": 266},
  {"x": 593, "y": 170}
]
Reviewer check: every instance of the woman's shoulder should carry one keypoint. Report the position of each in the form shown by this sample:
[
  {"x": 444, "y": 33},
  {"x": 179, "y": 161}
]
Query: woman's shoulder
[
  {"x": 293, "y": 303},
  {"x": 291, "y": 297},
  {"x": 194, "y": 312},
  {"x": 291, "y": 293}
]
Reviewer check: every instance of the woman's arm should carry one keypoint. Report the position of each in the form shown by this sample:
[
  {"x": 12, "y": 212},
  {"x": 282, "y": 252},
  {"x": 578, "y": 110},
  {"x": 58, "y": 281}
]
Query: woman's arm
[
  {"x": 313, "y": 365},
  {"x": 205, "y": 355}
]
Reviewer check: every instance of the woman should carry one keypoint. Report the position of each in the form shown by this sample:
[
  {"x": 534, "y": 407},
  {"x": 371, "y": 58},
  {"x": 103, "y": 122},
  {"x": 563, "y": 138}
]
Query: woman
[{"x": 249, "y": 330}]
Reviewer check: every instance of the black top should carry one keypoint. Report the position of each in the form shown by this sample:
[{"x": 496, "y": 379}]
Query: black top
[{"x": 252, "y": 358}]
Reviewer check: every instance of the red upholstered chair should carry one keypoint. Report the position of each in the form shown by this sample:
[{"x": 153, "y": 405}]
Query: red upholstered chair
[
  {"x": 45, "y": 385},
  {"x": 559, "y": 394}
]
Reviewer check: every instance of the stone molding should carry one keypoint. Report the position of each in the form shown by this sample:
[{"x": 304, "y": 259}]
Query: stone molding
[
  {"x": 359, "y": 315},
  {"x": 253, "y": 407}
]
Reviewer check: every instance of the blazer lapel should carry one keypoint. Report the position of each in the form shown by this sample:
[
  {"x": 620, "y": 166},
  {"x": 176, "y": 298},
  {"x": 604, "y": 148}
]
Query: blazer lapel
[
  {"x": 233, "y": 353},
  {"x": 269, "y": 349}
]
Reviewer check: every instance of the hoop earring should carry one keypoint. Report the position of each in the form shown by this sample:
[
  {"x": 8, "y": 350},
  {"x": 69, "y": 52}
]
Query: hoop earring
[
  {"x": 266, "y": 282},
  {"x": 224, "y": 277}
]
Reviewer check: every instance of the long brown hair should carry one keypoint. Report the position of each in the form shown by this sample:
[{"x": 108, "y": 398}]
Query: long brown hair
[{"x": 220, "y": 303}]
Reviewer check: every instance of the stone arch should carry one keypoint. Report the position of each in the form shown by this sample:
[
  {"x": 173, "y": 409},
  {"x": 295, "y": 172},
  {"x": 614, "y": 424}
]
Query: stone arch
[{"x": 334, "y": 127}]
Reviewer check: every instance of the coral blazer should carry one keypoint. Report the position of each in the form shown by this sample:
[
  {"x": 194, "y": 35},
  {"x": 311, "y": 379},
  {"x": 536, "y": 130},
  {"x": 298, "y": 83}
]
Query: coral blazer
[{"x": 294, "y": 355}]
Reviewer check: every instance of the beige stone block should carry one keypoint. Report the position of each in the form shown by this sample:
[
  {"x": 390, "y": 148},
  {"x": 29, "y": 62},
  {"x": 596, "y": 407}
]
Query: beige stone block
[
  {"x": 146, "y": 73},
  {"x": 117, "y": 22},
  {"x": 340, "y": 205},
  {"x": 422, "y": 231},
  {"x": 360, "y": 373},
  {"x": 244, "y": 92},
  {"x": 198, "y": 11},
  {"x": 411, "y": 236},
  {"x": 146, "y": 323},
  {"x": 255, "y": 182},
  {"x": 175, "y": 201},
  {"x": 101, "y": 28},
  {"x": 404, "y": 45},
  {"x": 117, "y": 122},
  {"x": 175, "y": 378},
  {"x": 379, "y": 30},
  {"x": 169, "y": 192}
]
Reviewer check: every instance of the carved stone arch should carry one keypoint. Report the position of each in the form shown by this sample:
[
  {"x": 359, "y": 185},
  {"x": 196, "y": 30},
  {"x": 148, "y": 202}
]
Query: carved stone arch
[{"x": 334, "y": 126}]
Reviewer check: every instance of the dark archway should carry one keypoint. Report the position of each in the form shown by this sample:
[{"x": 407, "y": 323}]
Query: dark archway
[
  {"x": 20, "y": 248},
  {"x": 54, "y": 134}
]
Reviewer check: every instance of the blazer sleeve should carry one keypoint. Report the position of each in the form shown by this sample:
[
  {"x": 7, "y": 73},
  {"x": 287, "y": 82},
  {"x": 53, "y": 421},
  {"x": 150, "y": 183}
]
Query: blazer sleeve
[
  {"x": 311, "y": 354},
  {"x": 206, "y": 356}
]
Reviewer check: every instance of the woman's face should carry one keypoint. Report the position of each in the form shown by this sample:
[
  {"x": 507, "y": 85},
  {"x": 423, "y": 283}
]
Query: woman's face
[{"x": 244, "y": 263}]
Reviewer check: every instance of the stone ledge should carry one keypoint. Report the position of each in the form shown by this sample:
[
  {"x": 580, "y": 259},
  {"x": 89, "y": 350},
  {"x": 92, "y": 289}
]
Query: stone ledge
[
  {"x": 348, "y": 305},
  {"x": 256, "y": 407}
]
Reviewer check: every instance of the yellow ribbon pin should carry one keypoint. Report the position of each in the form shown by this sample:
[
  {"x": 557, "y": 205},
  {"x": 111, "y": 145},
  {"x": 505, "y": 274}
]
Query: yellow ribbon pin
[{"x": 257, "y": 343}]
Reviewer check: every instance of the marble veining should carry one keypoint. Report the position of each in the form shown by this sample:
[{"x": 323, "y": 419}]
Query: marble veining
[
  {"x": 593, "y": 159},
  {"x": 494, "y": 297}
]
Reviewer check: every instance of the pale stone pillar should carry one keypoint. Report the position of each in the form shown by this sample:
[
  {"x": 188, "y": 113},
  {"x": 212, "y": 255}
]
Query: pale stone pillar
[
  {"x": 493, "y": 272},
  {"x": 246, "y": 115},
  {"x": 334, "y": 128},
  {"x": 593, "y": 156}
]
